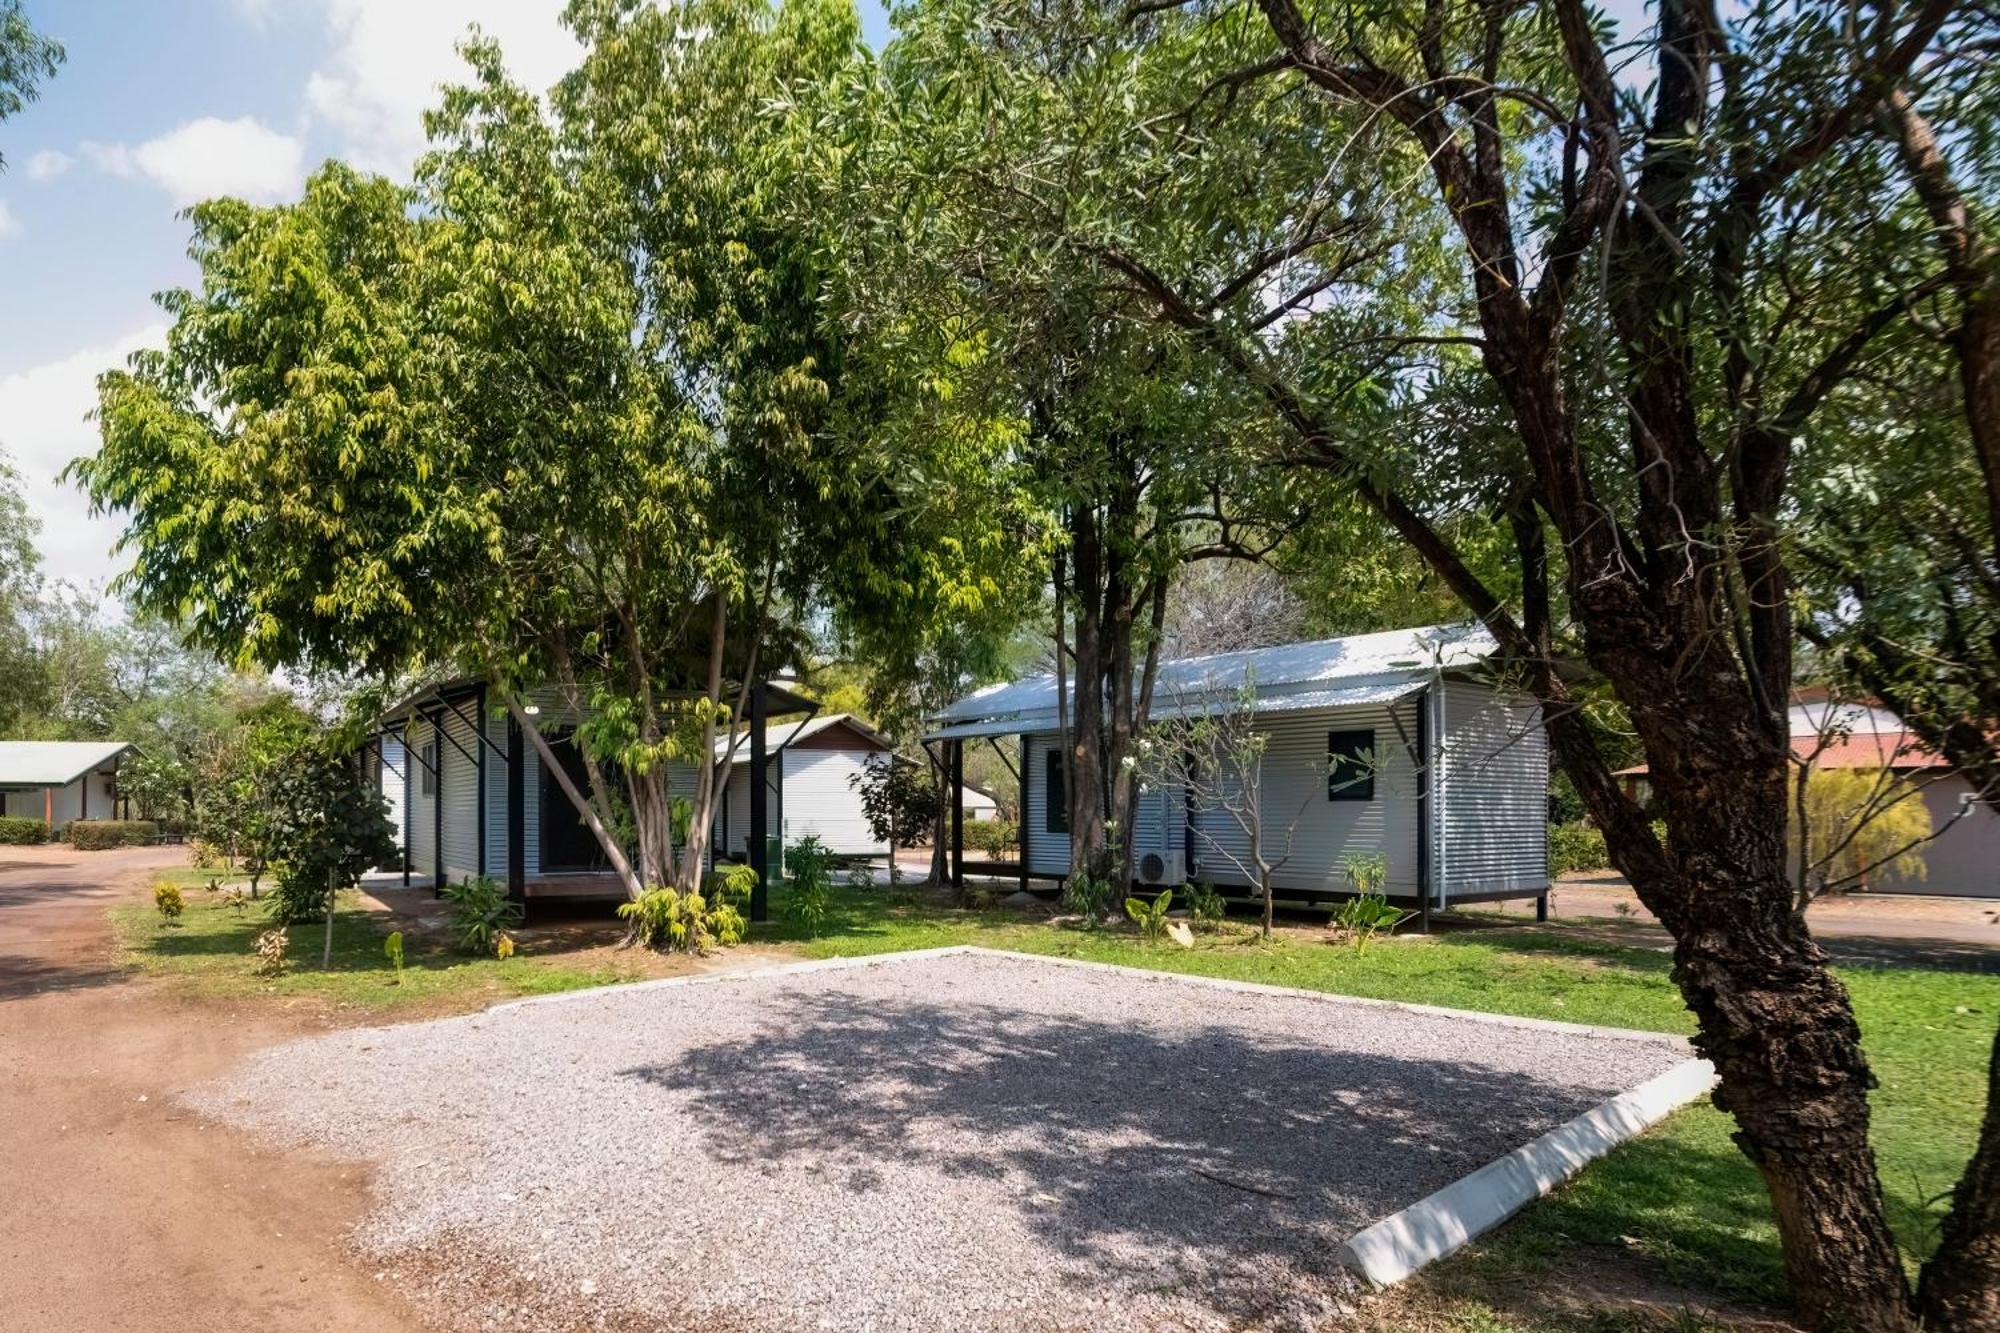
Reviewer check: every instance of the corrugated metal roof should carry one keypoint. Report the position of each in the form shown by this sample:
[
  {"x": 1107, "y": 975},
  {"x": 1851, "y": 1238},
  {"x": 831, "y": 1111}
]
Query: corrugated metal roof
[
  {"x": 1293, "y": 670},
  {"x": 53, "y": 763}
]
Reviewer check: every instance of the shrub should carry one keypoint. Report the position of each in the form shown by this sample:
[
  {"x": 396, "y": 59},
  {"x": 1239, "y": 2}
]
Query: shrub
[
  {"x": 1088, "y": 896},
  {"x": 811, "y": 865},
  {"x": 998, "y": 838},
  {"x": 1366, "y": 871},
  {"x": 392, "y": 948},
  {"x": 731, "y": 883},
  {"x": 167, "y": 898},
  {"x": 1367, "y": 915},
  {"x": 1576, "y": 847},
  {"x": 681, "y": 922},
  {"x": 203, "y": 854},
  {"x": 18, "y": 831},
  {"x": 1204, "y": 904},
  {"x": 100, "y": 835},
  {"x": 236, "y": 900},
  {"x": 481, "y": 913},
  {"x": 271, "y": 948},
  {"x": 1152, "y": 917}
]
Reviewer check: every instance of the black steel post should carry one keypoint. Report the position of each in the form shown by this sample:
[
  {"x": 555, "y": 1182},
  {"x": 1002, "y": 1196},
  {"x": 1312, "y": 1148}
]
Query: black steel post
[
  {"x": 760, "y": 861},
  {"x": 958, "y": 815},
  {"x": 1023, "y": 775},
  {"x": 517, "y": 806},
  {"x": 409, "y": 776}
]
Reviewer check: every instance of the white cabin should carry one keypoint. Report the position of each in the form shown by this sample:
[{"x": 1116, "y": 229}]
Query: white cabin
[
  {"x": 469, "y": 795},
  {"x": 1456, "y": 794}
]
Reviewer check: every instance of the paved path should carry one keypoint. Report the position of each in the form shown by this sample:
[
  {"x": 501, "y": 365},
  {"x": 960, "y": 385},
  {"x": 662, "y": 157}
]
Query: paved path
[
  {"x": 123, "y": 1212},
  {"x": 1885, "y": 929}
]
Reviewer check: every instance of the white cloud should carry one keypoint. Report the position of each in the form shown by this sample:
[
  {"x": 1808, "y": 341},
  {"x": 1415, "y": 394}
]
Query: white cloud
[
  {"x": 48, "y": 164},
  {"x": 9, "y": 224},
  {"x": 43, "y": 427},
  {"x": 209, "y": 157},
  {"x": 390, "y": 57}
]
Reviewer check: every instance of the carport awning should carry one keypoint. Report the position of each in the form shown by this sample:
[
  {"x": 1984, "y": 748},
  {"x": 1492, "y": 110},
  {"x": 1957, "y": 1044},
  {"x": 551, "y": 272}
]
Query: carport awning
[{"x": 1350, "y": 696}]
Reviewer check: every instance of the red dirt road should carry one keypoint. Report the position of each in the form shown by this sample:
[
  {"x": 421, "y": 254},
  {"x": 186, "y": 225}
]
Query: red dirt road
[{"x": 122, "y": 1211}]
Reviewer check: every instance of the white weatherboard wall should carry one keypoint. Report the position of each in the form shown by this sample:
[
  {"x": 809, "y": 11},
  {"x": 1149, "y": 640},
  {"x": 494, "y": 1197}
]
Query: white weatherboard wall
[
  {"x": 1323, "y": 830},
  {"x": 1494, "y": 777},
  {"x": 821, "y": 802}
]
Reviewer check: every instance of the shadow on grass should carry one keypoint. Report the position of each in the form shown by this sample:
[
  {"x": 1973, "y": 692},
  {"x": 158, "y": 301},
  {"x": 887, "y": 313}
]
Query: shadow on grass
[{"x": 1224, "y": 1162}]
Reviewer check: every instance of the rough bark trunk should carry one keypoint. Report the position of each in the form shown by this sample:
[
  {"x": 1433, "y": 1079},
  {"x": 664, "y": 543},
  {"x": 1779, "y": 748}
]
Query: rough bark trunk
[
  {"x": 1087, "y": 849},
  {"x": 1961, "y": 1283}
]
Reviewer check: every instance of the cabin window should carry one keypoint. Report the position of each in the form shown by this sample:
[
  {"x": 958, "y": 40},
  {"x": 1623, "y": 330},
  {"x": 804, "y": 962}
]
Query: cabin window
[
  {"x": 1056, "y": 799},
  {"x": 429, "y": 765},
  {"x": 1350, "y": 766}
]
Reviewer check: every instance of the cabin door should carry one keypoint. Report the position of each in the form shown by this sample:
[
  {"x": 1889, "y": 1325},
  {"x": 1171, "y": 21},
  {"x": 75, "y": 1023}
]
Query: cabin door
[{"x": 567, "y": 842}]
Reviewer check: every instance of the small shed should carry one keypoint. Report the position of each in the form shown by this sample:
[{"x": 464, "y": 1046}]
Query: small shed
[
  {"x": 1456, "y": 803},
  {"x": 60, "y": 781},
  {"x": 813, "y": 769}
]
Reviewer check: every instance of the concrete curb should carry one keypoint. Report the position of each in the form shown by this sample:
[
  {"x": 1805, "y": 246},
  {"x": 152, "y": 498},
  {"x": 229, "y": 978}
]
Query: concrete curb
[{"x": 1401, "y": 1243}]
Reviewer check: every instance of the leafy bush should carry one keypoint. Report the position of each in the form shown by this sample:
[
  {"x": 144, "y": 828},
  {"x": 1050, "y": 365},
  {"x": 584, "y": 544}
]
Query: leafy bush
[
  {"x": 998, "y": 838},
  {"x": 1088, "y": 896},
  {"x": 669, "y": 920},
  {"x": 731, "y": 882},
  {"x": 236, "y": 900},
  {"x": 811, "y": 864},
  {"x": 481, "y": 913},
  {"x": 325, "y": 826},
  {"x": 1366, "y": 871},
  {"x": 17, "y": 831},
  {"x": 272, "y": 946},
  {"x": 1152, "y": 917},
  {"x": 392, "y": 948},
  {"x": 1204, "y": 904},
  {"x": 204, "y": 855},
  {"x": 101, "y": 835},
  {"x": 1367, "y": 915},
  {"x": 167, "y": 898},
  {"x": 1576, "y": 847}
]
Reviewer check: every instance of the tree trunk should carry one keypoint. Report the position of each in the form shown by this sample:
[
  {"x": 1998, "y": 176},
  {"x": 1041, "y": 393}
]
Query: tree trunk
[
  {"x": 1776, "y": 1023},
  {"x": 1961, "y": 1283},
  {"x": 326, "y": 949},
  {"x": 1087, "y": 843}
]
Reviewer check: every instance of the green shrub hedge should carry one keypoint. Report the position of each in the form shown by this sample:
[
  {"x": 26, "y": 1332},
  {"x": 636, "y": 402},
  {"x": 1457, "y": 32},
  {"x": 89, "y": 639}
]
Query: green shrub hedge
[
  {"x": 1576, "y": 847},
  {"x": 97, "y": 835},
  {"x": 20, "y": 831}
]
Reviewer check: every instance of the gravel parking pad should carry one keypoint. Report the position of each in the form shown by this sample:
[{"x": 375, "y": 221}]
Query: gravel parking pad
[{"x": 965, "y": 1141}]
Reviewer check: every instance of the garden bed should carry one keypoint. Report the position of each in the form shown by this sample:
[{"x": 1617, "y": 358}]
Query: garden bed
[{"x": 963, "y": 1140}]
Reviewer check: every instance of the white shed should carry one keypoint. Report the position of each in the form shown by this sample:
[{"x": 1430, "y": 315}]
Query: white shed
[
  {"x": 1457, "y": 798},
  {"x": 60, "y": 781},
  {"x": 817, "y": 763}
]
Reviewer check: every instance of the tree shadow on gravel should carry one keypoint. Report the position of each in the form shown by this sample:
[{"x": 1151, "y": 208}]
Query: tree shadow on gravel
[{"x": 1211, "y": 1160}]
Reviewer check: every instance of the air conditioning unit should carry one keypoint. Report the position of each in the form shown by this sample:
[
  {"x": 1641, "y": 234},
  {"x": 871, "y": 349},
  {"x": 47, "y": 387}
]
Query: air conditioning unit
[{"x": 1167, "y": 868}]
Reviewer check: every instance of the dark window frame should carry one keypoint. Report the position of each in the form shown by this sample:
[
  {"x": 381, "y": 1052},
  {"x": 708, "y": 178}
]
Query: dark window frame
[
  {"x": 1351, "y": 750},
  {"x": 1055, "y": 797}
]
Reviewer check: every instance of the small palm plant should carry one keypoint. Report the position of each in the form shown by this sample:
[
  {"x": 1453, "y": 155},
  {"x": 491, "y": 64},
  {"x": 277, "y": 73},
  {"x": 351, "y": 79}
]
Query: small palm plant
[{"x": 1151, "y": 917}]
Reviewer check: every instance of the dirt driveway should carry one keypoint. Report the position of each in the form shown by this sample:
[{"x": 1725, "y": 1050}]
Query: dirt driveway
[{"x": 122, "y": 1211}]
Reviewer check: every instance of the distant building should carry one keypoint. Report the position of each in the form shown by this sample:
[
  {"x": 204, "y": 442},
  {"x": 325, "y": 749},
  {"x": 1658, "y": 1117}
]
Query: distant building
[{"x": 60, "y": 781}]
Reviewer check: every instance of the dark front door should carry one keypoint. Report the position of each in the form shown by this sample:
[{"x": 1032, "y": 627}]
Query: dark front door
[{"x": 567, "y": 842}]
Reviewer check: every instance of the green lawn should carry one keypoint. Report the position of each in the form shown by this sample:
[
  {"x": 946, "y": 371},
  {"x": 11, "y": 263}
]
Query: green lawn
[
  {"x": 1681, "y": 1196},
  {"x": 211, "y": 951}
]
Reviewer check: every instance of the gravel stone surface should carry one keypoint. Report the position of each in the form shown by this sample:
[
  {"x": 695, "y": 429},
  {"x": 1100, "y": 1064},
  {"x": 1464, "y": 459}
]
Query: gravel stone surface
[{"x": 970, "y": 1141}]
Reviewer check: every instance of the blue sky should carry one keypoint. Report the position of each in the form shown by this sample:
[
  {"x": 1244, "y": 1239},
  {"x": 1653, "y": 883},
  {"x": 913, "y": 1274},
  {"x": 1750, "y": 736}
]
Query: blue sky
[{"x": 162, "y": 103}]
